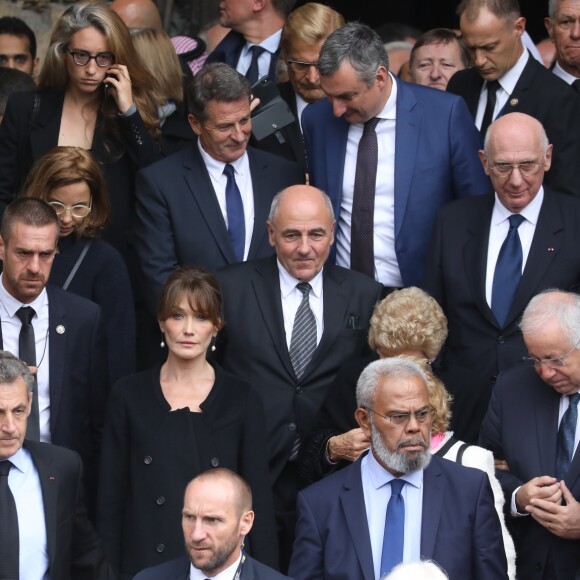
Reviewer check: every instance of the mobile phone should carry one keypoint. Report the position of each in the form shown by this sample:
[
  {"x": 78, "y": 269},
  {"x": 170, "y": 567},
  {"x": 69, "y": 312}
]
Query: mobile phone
[{"x": 265, "y": 89}]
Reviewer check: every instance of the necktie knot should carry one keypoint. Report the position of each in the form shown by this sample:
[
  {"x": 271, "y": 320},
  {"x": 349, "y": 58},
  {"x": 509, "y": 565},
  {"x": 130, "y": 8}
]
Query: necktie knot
[
  {"x": 397, "y": 486},
  {"x": 25, "y": 313},
  {"x": 370, "y": 125},
  {"x": 5, "y": 467},
  {"x": 492, "y": 87},
  {"x": 253, "y": 73},
  {"x": 304, "y": 287},
  {"x": 257, "y": 51},
  {"x": 516, "y": 220},
  {"x": 573, "y": 399},
  {"x": 229, "y": 171}
]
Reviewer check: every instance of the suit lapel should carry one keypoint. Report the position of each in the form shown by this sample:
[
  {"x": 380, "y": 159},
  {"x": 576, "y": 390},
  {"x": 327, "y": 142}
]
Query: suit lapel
[
  {"x": 523, "y": 85},
  {"x": 49, "y": 488},
  {"x": 46, "y": 128},
  {"x": 546, "y": 405},
  {"x": 57, "y": 351},
  {"x": 433, "y": 492},
  {"x": 262, "y": 201},
  {"x": 353, "y": 504},
  {"x": 470, "y": 87},
  {"x": 407, "y": 131},
  {"x": 201, "y": 189}
]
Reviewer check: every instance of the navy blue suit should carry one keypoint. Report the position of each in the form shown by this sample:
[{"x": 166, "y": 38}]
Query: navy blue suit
[
  {"x": 460, "y": 529},
  {"x": 436, "y": 161}
]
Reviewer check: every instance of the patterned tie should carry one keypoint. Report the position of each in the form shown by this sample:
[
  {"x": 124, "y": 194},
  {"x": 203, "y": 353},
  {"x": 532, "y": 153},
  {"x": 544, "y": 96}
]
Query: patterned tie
[
  {"x": 253, "y": 74},
  {"x": 508, "y": 271},
  {"x": 303, "y": 341},
  {"x": 362, "y": 257},
  {"x": 9, "y": 539},
  {"x": 27, "y": 353},
  {"x": 394, "y": 535},
  {"x": 492, "y": 87},
  {"x": 235, "y": 213},
  {"x": 566, "y": 436}
]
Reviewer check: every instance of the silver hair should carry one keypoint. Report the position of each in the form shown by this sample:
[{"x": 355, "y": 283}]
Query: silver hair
[
  {"x": 553, "y": 304},
  {"x": 12, "y": 368},
  {"x": 275, "y": 207},
  {"x": 358, "y": 44},
  {"x": 552, "y": 7},
  {"x": 386, "y": 368},
  {"x": 427, "y": 570}
]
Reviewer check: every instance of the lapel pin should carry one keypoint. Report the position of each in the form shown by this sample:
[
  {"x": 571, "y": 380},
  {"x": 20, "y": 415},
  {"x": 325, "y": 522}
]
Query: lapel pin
[
  {"x": 60, "y": 329},
  {"x": 52, "y": 478},
  {"x": 550, "y": 249},
  {"x": 514, "y": 102}
]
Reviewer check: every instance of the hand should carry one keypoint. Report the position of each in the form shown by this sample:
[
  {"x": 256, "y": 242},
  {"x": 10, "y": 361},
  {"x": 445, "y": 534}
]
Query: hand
[
  {"x": 119, "y": 84},
  {"x": 254, "y": 103},
  {"x": 501, "y": 464},
  {"x": 544, "y": 487},
  {"x": 347, "y": 446},
  {"x": 33, "y": 369},
  {"x": 562, "y": 520}
]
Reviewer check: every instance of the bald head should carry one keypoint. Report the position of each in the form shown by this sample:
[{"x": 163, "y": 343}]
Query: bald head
[
  {"x": 519, "y": 126},
  {"x": 138, "y": 13}
]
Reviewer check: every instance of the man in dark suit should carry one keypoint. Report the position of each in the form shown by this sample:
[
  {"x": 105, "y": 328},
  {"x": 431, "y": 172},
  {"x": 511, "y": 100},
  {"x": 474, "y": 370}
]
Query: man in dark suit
[
  {"x": 397, "y": 503},
  {"x": 45, "y": 531},
  {"x": 68, "y": 346},
  {"x": 264, "y": 304},
  {"x": 425, "y": 155},
  {"x": 506, "y": 78},
  {"x": 256, "y": 25},
  {"x": 562, "y": 26},
  {"x": 221, "y": 496},
  {"x": 465, "y": 255},
  {"x": 185, "y": 209},
  {"x": 532, "y": 425}
]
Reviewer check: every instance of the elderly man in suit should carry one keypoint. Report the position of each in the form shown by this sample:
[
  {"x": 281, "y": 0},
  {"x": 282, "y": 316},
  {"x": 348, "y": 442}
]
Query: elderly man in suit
[
  {"x": 44, "y": 532},
  {"x": 217, "y": 516},
  {"x": 397, "y": 503},
  {"x": 58, "y": 333},
  {"x": 506, "y": 78},
  {"x": 470, "y": 273},
  {"x": 563, "y": 25},
  {"x": 206, "y": 204},
  {"x": 388, "y": 153},
  {"x": 532, "y": 425},
  {"x": 291, "y": 321}
]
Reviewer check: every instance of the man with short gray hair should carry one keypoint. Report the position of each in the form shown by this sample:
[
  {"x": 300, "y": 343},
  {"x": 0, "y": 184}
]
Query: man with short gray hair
[
  {"x": 397, "y": 503},
  {"x": 532, "y": 426},
  {"x": 563, "y": 25}
]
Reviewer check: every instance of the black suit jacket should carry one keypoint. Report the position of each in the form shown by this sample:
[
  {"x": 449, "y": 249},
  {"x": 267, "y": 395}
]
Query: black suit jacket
[
  {"x": 180, "y": 221},
  {"x": 549, "y": 99},
  {"x": 178, "y": 569},
  {"x": 254, "y": 344},
  {"x": 78, "y": 379},
  {"x": 477, "y": 346},
  {"x": 74, "y": 551},
  {"x": 521, "y": 426}
]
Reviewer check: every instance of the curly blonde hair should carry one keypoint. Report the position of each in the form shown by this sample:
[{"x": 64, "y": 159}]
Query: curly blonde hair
[{"x": 408, "y": 319}]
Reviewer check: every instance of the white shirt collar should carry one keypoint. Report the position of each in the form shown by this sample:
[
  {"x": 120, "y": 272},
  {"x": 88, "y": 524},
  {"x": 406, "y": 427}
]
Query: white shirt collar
[
  {"x": 216, "y": 168},
  {"x": 11, "y": 305},
  {"x": 380, "y": 476},
  {"x": 509, "y": 80},
  {"x": 271, "y": 43},
  {"x": 288, "y": 282},
  {"x": 227, "y": 574},
  {"x": 565, "y": 76},
  {"x": 531, "y": 212}
]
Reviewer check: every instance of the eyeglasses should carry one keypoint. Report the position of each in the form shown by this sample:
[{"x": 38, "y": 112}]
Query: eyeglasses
[
  {"x": 79, "y": 210},
  {"x": 551, "y": 363},
  {"x": 301, "y": 65},
  {"x": 82, "y": 58},
  {"x": 527, "y": 168},
  {"x": 421, "y": 416}
]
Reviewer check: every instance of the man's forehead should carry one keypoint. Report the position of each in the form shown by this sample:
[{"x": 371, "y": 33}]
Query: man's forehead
[{"x": 14, "y": 43}]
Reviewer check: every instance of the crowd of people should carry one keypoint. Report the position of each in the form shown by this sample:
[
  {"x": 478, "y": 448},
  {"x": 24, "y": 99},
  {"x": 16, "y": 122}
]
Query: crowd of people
[{"x": 298, "y": 293}]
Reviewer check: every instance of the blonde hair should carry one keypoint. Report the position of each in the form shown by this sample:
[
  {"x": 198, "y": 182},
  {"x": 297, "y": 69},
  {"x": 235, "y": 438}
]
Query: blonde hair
[{"x": 408, "y": 319}]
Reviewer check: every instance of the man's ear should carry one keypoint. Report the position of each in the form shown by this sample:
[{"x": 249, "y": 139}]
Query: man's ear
[{"x": 363, "y": 418}]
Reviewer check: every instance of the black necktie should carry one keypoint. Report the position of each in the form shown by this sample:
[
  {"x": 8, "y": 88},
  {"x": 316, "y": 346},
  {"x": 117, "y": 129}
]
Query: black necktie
[
  {"x": 566, "y": 436},
  {"x": 9, "y": 539},
  {"x": 508, "y": 271},
  {"x": 235, "y": 213},
  {"x": 253, "y": 74},
  {"x": 27, "y": 353},
  {"x": 492, "y": 87},
  {"x": 362, "y": 256}
]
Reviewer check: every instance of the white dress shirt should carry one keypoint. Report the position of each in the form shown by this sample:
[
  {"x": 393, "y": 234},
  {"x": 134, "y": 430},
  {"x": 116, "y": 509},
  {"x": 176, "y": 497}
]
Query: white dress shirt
[
  {"x": 507, "y": 84},
  {"x": 11, "y": 326},
  {"x": 271, "y": 45},
  {"x": 498, "y": 231},
  {"x": 377, "y": 492},
  {"x": 24, "y": 483},
  {"x": 386, "y": 265},
  {"x": 243, "y": 179},
  {"x": 565, "y": 76},
  {"x": 227, "y": 574},
  {"x": 291, "y": 298}
]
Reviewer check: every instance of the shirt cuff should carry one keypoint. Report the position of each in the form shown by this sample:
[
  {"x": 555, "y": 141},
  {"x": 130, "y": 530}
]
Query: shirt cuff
[
  {"x": 514, "y": 507},
  {"x": 130, "y": 111}
]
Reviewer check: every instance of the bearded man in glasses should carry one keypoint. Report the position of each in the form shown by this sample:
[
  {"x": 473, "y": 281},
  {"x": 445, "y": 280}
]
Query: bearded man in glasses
[
  {"x": 490, "y": 255},
  {"x": 397, "y": 503},
  {"x": 532, "y": 428}
]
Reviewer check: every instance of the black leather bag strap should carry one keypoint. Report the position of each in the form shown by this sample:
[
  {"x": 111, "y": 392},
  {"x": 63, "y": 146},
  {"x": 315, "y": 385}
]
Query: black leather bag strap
[
  {"x": 77, "y": 264},
  {"x": 460, "y": 453},
  {"x": 445, "y": 448}
]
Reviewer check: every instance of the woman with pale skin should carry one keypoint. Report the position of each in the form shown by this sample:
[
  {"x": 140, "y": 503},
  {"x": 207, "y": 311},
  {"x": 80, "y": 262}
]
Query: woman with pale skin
[
  {"x": 71, "y": 181},
  {"x": 166, "y": 425}
]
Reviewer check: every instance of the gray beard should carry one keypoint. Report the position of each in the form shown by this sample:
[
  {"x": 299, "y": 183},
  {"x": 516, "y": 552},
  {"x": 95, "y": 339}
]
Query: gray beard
[{"x": 396, "y": 461}]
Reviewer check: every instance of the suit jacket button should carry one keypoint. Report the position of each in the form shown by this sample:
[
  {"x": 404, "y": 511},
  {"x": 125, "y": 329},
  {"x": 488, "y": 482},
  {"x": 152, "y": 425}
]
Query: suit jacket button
[
  {"x": 147, "y": 460},
  {"x": 160, "y": 548},
  {"x": 298, "y": 390},
  {"x": 215, "y": 462},
  {"x": 501, "y": 339},
  {"x": 160, "y": 500},
  {"x": 292, "y": 427}
]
